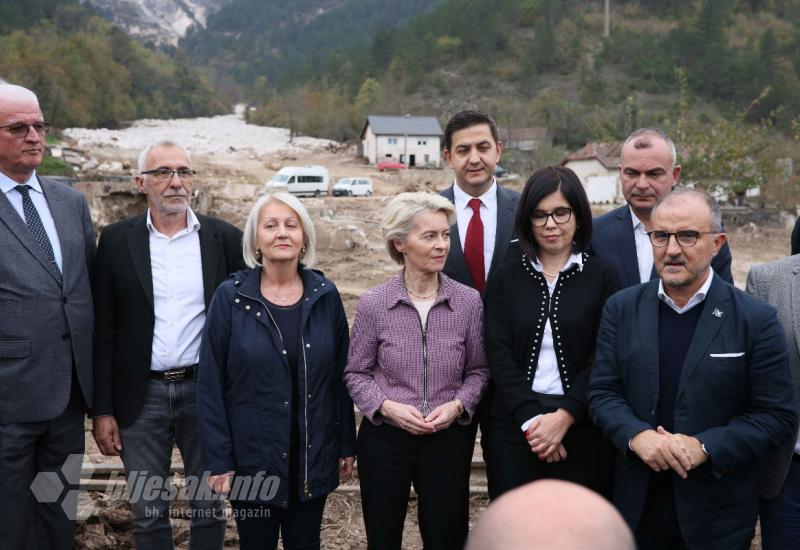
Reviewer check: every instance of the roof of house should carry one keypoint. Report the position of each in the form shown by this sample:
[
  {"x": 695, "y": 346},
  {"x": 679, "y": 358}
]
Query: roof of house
[
  {"x": 524, "y": 134},
  {"x": 403, "y": 125},
  {"x": 608, "y": 154}
]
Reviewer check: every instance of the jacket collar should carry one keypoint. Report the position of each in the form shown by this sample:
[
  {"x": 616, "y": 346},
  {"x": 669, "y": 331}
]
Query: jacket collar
[
  {"x": 397, "y": 292},
  {"x": 248, "y": 283}
]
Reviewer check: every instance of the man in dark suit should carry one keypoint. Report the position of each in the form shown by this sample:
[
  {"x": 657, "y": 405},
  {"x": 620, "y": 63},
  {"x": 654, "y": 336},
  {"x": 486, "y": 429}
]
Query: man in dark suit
[
  {"x": 154, "y": 279},
  {"x": 485, "y": 212},
  {"x": 647, "y": 171},
  {"x": 47, "y": 248},
  {"x": 778, "y": 283},
  {"x": 690, "y": 385},
  {"x": 472, "y": 148}
]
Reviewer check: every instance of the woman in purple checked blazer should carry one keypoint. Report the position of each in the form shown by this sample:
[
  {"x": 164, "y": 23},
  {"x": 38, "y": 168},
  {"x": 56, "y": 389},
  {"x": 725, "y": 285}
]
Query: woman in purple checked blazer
[{"x": 417, "y": 370}]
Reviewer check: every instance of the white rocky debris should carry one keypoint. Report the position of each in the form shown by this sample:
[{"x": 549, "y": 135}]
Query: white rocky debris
[{"x": 202, "y": 136}]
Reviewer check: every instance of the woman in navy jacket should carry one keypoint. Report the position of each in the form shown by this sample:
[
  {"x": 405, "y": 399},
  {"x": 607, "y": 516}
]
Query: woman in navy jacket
[{"x": 276, "y": 424}]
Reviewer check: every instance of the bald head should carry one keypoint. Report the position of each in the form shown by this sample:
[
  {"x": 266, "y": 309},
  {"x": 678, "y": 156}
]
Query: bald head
[{"x": 551, "y": 515}]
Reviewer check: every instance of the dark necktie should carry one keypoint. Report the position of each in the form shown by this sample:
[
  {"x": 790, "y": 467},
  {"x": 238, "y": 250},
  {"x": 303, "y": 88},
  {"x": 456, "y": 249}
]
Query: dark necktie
[
  {"x": 34, "y": 223},
  {"x": 473, "y": 246}
]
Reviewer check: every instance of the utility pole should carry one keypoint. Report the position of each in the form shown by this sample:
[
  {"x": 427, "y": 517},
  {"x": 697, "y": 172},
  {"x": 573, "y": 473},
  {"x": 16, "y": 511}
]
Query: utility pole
[{"x": 607, "y": 20}]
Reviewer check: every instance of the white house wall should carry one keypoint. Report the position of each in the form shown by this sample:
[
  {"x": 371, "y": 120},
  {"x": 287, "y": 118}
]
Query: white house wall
[
  {"x": 395, "y": 147},
  {"x": 601, "y": 184}
]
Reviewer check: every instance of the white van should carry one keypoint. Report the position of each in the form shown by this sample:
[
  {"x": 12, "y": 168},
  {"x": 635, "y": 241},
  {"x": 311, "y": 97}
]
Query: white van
[{"x": 300, "y": 180}]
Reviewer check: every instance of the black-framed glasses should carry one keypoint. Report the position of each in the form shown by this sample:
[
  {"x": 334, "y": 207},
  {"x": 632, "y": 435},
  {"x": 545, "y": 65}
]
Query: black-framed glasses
[
  {"x": 559, "y": 215},
  {"x": 165, "y": 174},
  {"x": 20, "y": 129},
  {"x": 687, "y": 237}
]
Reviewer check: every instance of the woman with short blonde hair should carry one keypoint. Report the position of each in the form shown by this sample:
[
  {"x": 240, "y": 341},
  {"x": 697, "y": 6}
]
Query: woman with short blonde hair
[{"x": 417, "y": 370}]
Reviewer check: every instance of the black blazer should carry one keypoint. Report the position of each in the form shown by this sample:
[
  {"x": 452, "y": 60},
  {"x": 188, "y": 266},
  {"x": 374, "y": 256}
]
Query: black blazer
[
  {"x": 124, "y": 314},
  {"x": 517, "y": 307},
  {"x": 796, "y": 237},
  {"x": 456, "y": 267},
  {"x": 612, "y": 240}
]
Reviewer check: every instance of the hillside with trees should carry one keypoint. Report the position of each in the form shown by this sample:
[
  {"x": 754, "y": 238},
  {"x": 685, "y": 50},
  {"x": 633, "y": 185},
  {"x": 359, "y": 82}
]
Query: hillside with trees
[{"x": 88, "y": 72}]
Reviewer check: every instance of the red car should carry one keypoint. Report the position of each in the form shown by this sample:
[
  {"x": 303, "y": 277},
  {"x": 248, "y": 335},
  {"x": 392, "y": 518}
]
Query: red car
[{"x": 390, "y": 165}]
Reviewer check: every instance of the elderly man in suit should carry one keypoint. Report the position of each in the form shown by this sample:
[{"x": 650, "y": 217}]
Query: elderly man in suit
[
  {"x": 778, "y": 283},
  {"x": 155, "y": 276},
  {"x": 47, "y": 248},
  {"x": 485, "y": 214},
  {"x": 690, "y": 385},
  {"x": 647, "y": 171}
]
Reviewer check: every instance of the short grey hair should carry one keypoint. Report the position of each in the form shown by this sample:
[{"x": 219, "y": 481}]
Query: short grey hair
[
  {"x": 640, "y": 142},
  {"x": 400, "y": 214},
  {"x": 165, "y": 143},
  {"x": 251, "y": 259},
  {"x": 692, "y": 192},
  {"x": 13, "y": 91}
]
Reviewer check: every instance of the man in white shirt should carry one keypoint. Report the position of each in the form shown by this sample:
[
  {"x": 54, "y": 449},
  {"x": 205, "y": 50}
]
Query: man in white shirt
[
  {"x": 154, "y": 279},
  {"x": 485, "y": 212},
  {"x": 648, "y": 170}
]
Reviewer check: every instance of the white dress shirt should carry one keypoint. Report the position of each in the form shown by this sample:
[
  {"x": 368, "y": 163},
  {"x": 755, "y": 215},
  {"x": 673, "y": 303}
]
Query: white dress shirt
[
  {"x": 644, "y": 249},
  {"x": 697, "y": 298},
  {"x": 488, "y": 217},
  {"x": 40, "y": 202},
  {"x": 547, "y": 379},
  {"x": 178, "y": 297}
]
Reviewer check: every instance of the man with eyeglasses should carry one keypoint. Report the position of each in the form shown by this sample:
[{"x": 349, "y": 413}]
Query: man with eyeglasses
[
  {"x": 692, "y": 385},
  {"x": 154, "y": 279},
  {"x": 648, "y": 171},
  {"x": 47, "y": 249}
]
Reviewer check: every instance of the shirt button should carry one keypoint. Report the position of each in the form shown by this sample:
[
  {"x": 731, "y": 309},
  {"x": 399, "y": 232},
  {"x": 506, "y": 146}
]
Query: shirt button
[
  {"x": 285, "y": 403},
  {"x": 284, "y": 352},
  {"x": 308, "y": 345},
  {"x": 284, "y": 455}
]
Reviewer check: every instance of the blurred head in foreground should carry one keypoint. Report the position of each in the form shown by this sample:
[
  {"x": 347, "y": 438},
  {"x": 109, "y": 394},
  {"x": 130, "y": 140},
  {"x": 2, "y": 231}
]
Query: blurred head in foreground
[{"x": 551, "y": 515}]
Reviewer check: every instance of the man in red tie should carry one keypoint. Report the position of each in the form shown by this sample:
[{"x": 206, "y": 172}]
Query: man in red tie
[{"x": 485, "y": 213}]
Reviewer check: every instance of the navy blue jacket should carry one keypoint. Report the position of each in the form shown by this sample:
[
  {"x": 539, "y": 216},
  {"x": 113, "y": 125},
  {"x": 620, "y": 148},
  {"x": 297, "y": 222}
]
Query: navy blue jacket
[
  {"x": 245, "y": 391},
  {"x": 613, "y": 241},
  {"x": 735, "y": 394}
]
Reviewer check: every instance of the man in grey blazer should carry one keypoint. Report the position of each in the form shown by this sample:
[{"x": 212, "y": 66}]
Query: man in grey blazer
[
  {"x": 47, "y": 249},
  {"x": 778, "y": 283},
  {"x": 485, "y": 212}
]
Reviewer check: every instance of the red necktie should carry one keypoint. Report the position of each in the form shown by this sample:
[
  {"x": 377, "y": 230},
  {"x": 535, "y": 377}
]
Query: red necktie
[{"x": 473, "y": 246}]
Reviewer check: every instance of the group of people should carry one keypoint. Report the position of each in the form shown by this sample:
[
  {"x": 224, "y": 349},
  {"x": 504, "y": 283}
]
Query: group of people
[{"x": 612, "y": 353}]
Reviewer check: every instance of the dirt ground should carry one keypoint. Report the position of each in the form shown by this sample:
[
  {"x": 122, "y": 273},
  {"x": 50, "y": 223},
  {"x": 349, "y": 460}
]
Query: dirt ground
[{"x": 351, "y": 253}]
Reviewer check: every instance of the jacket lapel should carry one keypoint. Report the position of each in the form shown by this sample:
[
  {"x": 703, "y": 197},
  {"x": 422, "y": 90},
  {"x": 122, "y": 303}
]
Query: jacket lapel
[
  {"x": 17, "y": 226},
  {"x": 456, "y": 263},
  {"x": 715, "y": 312},
  {"x": 62, "y": 220},
  {"x": 795, "y": 299},
  {"x": 627, "y": 246},
  {"x": 504, "y": 229},
  {"x": 139, "y": 247},
  {"x": 210, "y": 246},
  {"x": 647, "y": 313}
]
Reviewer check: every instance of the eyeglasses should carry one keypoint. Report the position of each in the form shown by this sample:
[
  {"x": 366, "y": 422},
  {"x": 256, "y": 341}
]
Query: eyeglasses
[
  {"x": 687, "y": 237},
  {"x": 165, "y": 174},
  {"x": 559, "y": 215},
  {"x": 20, "y": 129}
]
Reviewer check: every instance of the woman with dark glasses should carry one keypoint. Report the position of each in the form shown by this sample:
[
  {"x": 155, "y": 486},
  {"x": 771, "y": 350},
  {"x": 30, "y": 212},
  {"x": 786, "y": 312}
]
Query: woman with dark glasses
[{"x": 542, "y": 312}]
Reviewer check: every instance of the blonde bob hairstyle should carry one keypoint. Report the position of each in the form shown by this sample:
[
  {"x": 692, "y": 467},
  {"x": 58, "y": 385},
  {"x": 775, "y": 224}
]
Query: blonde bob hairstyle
[
  {"x": 251, "y": 258},
  {"x": 400, "y": 214}
]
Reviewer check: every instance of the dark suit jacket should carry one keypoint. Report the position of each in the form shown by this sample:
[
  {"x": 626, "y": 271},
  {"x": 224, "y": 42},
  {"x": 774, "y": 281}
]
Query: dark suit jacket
[
  {"x": 44, "y": 327},
  {"x": 778, "y": 283},
  {"x": 795, "y": 240},
  {"x": 123, "y": 291},
  {"x": 740, "y": 407},
  {"x": 612, "y": 240},
  {"x": 456, "y": 267}
]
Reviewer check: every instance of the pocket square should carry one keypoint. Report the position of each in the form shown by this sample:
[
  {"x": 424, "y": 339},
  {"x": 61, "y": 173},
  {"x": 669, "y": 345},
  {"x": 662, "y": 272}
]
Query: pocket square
[{"x": 723, "y": 355}]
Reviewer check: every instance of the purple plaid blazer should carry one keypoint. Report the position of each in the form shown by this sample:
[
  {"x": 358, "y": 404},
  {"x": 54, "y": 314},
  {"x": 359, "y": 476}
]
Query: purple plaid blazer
[{"x": 386, "y": 351}]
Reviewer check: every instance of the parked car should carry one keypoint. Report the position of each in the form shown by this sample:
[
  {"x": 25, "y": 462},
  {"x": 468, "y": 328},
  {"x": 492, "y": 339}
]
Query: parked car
[
  {"x": 390, "y": 165},
  {"x": 353, "y": 187},
  {"x": 300, "y": 180}
]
